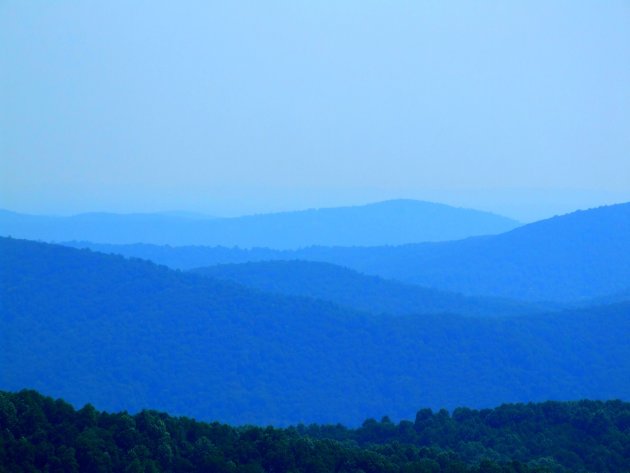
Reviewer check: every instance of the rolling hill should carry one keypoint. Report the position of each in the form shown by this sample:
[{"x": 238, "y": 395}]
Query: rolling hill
[
  {"x": 385, "y": 223},
  {"x": 350, "y": 289},
  {"x": 127, "y": 334}
]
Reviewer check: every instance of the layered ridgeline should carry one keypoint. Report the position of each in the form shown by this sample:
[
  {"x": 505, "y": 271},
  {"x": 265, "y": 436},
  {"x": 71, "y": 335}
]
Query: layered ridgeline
[
  {"x": 386, "y": 223},
  {"x": 357, "y": 291},
  {"x": 39, "y": 433},
  {"x": 127, "y": 334},
  {"x": 573, "y": 257}
]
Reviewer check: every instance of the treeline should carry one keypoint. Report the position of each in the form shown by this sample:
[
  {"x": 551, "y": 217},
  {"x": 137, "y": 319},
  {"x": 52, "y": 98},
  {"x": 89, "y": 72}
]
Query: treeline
[
  {"x": 39, "y": 433},
  {"x": 576, "y": 436}
]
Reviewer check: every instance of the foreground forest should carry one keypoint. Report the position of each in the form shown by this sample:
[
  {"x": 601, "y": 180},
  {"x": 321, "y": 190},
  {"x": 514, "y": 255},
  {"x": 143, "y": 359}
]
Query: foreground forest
[{"x": 39, "y": 433}]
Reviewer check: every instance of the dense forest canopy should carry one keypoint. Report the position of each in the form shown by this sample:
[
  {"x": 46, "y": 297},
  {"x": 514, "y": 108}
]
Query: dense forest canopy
[{"x": 39, "y": 433}]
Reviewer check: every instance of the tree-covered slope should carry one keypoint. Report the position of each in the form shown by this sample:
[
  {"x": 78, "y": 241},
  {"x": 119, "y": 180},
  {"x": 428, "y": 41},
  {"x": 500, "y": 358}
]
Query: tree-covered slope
[
  {"x": 39, "y": 433},
  {"x": 126, "y": 334},
  {"x": 570, "y": 258},
  {"x": 385, "y": 223},
  {"x": 348, "y": 288}
]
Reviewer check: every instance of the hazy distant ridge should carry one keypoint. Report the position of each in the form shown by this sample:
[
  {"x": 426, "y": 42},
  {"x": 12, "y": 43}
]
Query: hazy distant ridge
[{"x": 386, "y": 223}]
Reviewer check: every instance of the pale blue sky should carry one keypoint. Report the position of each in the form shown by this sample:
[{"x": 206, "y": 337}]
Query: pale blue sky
[{"x": 234, "y": 107}]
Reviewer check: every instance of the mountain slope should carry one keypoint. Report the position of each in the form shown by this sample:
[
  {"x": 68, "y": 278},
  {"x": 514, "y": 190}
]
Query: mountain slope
[
  {"x": 385, "y": 223},
  {"x": 348, "y": 288},
  {"x": 570, "y": 258},
  {"x": 126, "y": 334}
]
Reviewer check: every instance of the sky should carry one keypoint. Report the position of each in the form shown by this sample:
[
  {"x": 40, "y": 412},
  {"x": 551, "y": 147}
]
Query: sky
[{"x": 226, "y": 108}]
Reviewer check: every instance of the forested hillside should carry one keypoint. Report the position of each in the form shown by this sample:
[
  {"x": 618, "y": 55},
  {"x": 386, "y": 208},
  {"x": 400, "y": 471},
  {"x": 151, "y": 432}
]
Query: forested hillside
[
  {"x": 127, "y": 334},
  {"x": 348, "y": 288},
  {"x": 571, "y": 258},
  {"x": 383, "y": 223},
  {"x": 39, "y": 433}
]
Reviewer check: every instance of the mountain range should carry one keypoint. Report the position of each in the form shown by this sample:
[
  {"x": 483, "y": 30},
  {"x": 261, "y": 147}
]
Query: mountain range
[
  {"x": 392, "y": 222},
  {"x": 128, "y": 334},
  {"x": 568, "y": 258}
]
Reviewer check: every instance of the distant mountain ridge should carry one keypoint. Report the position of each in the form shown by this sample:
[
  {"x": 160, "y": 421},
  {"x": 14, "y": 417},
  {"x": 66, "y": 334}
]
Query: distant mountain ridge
[
  {"x": 574, "y": 257},
  {"x": 127, "y": 334},
  {"x": 385, "y": 223}
]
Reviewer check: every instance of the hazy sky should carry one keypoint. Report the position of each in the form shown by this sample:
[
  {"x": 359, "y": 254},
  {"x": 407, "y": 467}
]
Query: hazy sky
[{"x": 231, "y": 107}]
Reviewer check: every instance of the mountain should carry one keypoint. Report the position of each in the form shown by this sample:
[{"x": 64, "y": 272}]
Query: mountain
[
  {"x": 582, "y": 255},
  {"x": 386, "y": 223},
  {"x": 570, "y": 258},
  {"x": 348, "y": 288},
  {"x": 128, "y": 334}
]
